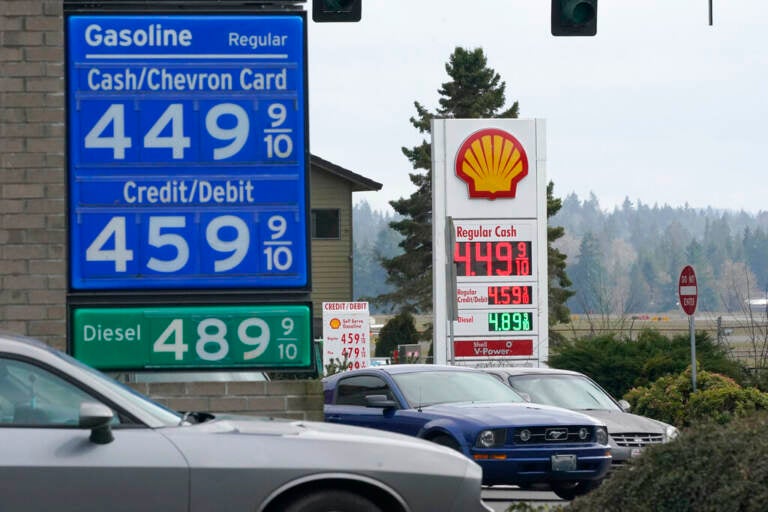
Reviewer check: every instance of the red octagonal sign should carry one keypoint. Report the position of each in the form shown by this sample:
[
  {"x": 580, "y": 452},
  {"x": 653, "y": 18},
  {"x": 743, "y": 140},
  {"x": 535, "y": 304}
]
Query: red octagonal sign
[{"x": 688, "y": 290}]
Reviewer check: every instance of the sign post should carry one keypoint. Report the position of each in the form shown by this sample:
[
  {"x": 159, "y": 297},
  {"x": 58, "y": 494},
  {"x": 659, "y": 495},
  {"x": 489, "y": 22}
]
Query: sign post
[{"x": 688, "y": 293}]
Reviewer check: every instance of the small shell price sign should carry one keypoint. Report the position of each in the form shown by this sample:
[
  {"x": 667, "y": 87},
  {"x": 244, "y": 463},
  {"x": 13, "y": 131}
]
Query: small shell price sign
[{"x": 346, "y": 334}]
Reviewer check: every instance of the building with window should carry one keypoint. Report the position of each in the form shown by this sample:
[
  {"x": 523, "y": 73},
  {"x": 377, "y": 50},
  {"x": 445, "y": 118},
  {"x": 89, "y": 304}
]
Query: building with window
[{"x": 331, "y": 189}]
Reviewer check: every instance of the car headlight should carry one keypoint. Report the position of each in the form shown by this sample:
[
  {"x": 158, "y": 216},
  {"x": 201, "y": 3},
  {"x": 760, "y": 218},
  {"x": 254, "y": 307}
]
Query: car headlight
[
  {"x": 583, "y": 433},
  {"x": 601, "y": 435},
  {"x": 491, "y": 438},
  {"x": 525, "y": 435},
  {"x": 670, "y": 433}
]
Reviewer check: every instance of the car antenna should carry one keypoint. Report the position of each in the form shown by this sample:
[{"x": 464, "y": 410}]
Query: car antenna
[{"x": 419, "y": 407}]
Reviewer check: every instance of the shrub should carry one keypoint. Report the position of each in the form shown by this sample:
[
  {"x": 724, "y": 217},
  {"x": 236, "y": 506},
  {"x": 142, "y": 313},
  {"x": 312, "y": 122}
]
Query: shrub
[
  {"x": 399, "y": 330},
  {"x": 708, "y": 468},
  {"x": 717, "y": 398},
  {"x": 621, "y": 364}
]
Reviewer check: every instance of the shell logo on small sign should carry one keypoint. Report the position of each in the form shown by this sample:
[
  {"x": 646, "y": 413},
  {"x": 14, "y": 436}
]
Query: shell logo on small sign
[{"x": 491, "y": 162}]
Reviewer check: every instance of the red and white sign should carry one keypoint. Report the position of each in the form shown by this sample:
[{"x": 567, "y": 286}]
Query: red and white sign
[
  {"x": 346, "y": 334},
  {"x": 688, "y": 290},
  {"x": 493, "y": 348}
]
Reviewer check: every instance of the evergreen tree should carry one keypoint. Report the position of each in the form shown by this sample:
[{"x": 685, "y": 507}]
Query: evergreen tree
[
  {"x": 399, "y": 330},
  {"x": 473, "y": 91},
  {"x": 589, "y": 278},
  {"x": 558, "y": 278}
]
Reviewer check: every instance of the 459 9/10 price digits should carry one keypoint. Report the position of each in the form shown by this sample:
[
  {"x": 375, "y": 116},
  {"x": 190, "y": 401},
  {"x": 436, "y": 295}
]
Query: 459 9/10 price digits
[{"x": 174, "y": 244}]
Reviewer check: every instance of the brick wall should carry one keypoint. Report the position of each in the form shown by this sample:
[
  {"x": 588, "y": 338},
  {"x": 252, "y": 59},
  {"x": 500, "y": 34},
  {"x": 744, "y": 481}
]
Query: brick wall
[
  {"x": 33, "y": 225},
  {"x": 32, "y": 170},
  {"x": 295, "y": 399}
]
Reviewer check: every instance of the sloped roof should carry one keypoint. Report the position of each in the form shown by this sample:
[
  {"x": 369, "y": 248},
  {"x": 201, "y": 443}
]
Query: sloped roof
[{"x": 359, "y": 183}]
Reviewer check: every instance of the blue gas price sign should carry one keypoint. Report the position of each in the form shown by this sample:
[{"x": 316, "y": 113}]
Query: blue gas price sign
[{"x": 188, "y": 151}]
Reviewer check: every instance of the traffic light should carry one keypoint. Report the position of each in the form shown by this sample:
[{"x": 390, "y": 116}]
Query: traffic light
[
  {"x": 336, "y": 10},
  {"x": 574, "y": 17}
]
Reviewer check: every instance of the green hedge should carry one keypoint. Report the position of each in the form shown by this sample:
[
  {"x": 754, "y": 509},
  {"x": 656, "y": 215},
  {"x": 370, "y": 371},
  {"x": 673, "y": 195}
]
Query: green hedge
[
  {"x": 709, "y": 468},
  {"x": 621, "y": 364},
  {"x": 717, "y": 398}
]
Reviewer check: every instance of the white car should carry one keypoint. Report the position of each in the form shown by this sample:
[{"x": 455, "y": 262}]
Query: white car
[{"x": 628, "y": 433}]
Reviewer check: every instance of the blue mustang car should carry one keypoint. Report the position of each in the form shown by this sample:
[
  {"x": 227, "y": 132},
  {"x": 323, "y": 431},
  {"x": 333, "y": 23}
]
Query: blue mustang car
[{"x": 515, "y": 442}]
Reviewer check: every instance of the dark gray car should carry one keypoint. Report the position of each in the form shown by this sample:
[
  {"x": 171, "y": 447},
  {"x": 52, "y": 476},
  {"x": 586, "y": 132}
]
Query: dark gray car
[
  {"x": 74, "y": 439},
  {"x": 628, "y": 433}
]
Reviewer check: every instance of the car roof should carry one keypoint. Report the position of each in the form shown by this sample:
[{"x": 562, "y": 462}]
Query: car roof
[
  {"x": 393, "y": 369},
  {"x": 520, "y": 370},
  {"x": 396, "y": 369},
  {"x": 15, "y": 343}
]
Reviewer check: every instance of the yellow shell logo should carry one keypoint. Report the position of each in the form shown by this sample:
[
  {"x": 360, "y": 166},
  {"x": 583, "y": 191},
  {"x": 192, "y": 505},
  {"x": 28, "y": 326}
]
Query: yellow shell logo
[
  {"x": 335, "y": 323},
  {"x": 491, "y": 162}
]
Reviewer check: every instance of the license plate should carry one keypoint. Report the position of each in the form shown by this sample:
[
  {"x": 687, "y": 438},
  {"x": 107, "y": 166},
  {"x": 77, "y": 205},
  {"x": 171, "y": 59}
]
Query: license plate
[
  {"x": 635, "y": 452},
  {"x": 563, "y": 463}
]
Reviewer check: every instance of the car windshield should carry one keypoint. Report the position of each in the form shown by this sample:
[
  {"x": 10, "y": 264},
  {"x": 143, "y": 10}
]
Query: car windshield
[
  {"x": 440, "y": 387},
  {"x": 163, "y": 414},
  {"x": 568, "y": 391}
]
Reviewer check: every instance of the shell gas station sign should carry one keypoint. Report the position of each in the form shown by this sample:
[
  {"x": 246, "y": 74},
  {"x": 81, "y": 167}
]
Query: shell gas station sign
[{"x": 489, "y": 242}]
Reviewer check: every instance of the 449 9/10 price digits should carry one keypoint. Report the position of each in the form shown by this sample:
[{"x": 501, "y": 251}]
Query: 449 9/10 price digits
[{"x": 227, "y": 130}]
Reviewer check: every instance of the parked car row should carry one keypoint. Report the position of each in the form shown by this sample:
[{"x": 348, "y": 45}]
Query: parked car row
[
  {"x": 441, "y": 433},
  {"x": 515, "y": 442}
]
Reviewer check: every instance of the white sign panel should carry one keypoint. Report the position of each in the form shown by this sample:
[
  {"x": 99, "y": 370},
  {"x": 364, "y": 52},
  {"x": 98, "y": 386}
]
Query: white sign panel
[
  {"x": 489, "y": 241},
  {"x": 346, "y": 334}
]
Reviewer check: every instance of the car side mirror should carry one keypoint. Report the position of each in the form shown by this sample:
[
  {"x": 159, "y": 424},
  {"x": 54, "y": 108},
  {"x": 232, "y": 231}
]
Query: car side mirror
[
  {"x": 380, "y": 401},
  {"x": 97, "y": 417},
  {"x": 624, "y": 405}
]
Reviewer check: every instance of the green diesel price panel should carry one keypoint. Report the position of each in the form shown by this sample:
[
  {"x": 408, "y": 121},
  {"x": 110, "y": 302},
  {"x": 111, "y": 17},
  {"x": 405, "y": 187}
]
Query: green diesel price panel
[{"x": 193, "y": 337}]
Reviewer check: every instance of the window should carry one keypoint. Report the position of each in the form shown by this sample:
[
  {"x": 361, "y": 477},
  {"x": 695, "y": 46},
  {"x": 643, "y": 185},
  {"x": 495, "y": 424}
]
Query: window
[
  {"x": 352, "y": 391},
  {"x": 33, "y": 396},
  {"x": 325, "y": 224}
]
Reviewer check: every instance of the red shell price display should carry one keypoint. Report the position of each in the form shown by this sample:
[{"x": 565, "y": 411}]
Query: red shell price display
[
  {"x": 509, "y": 295},
  {"x": 353, "y": 349},
  {"x": 488, "y": 259}
]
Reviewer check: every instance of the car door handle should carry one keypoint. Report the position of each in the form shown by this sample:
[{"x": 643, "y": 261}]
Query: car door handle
[{"x": 333, "y": 417}]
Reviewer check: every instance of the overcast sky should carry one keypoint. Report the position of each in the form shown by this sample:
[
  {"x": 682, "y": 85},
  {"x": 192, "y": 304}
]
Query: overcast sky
[{"x": 659, "y": 107}]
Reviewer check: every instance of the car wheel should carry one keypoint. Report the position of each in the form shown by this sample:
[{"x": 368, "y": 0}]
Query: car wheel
[
  {"x": 446, "y": 441},
  {"x": 332, "y": 501},
  {"x": 569, "y": 490}
]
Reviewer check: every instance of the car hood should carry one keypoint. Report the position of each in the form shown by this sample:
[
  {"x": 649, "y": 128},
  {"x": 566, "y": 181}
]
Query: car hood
[
  {"x": 511, "y": 414},
  {"x": 252, "y": 438},
  {"x": 619, "y": 422}
]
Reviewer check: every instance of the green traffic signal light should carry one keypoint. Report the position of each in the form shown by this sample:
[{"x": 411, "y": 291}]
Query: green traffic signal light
[
  {"x": 574, "y": 17},
  {"x": 336, "y": 10}
]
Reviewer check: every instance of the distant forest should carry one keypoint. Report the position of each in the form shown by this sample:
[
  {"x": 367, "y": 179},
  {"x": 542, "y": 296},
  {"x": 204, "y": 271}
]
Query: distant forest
[{"x": 621, "y": 261}]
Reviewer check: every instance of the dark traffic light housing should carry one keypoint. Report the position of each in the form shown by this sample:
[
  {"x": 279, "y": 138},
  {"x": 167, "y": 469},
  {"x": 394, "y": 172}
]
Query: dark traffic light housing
[
  {"x": 574, "y": 17},
  {"x": 336, "y": 10}
]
